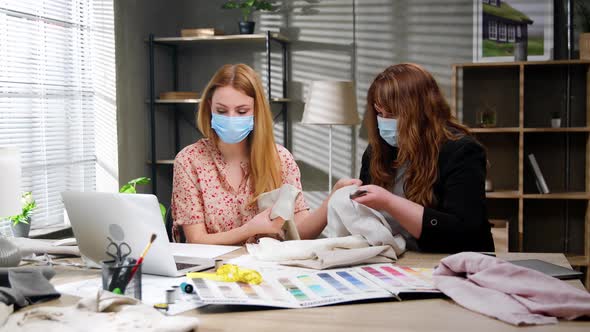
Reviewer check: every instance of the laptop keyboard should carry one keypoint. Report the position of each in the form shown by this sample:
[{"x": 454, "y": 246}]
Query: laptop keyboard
[{"x": 182, "y": 266}]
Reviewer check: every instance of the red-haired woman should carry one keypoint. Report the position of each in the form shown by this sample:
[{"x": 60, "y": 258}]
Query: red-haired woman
[{"x": 422, "y": 168}]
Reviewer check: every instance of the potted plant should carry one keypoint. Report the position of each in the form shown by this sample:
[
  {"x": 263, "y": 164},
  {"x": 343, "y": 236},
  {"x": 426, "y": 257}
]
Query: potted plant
[
  {"x": 130, "y": 188},
  {"x": 21, "y": 223},
  {"x": 583, "y": 13},
  {"x": 247, "y": 7},
  {"x": 486, "y": 116},
  {"x": 555, "y": 120}
]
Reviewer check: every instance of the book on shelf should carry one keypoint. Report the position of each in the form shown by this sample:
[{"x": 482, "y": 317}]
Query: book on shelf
[
  {"x": 309, "y": 288},
  {"x": 539, "y": 179}
]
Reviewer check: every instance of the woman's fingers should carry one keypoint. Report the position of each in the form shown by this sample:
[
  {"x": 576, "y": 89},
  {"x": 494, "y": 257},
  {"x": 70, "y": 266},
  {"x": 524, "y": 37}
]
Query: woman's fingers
[{"x": 346, "y": 182}]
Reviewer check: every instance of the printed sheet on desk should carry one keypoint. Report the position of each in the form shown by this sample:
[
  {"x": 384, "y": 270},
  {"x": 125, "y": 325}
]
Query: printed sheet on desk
[
  {"x": 153, "y": 291},
  {"x": 287, "y": 287}
]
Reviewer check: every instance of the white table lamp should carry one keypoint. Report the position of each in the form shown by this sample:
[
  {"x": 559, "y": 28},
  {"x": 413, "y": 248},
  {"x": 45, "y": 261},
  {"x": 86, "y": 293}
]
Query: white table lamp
[
  {"x": 10, "y": 175},
  {"x": 331, "y": 103}
]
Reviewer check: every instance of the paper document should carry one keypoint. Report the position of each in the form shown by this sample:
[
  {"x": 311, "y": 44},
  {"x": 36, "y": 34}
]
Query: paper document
[
  {"x": 37, "y": 246},
  {"x": 200, "y": 250},
  {"x": 153, "y": 290}
]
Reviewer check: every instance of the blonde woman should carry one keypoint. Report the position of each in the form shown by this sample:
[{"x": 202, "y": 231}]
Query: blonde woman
[{"x": 217, "y": 179}]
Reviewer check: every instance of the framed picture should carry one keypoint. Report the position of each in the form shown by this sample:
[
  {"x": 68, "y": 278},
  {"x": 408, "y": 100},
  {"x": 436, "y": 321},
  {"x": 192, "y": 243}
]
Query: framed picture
[{"x": 503, "y": 27}]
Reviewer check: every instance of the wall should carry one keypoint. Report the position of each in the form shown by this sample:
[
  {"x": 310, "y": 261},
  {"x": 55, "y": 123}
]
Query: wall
[
  {"x": 134, "y": 21},
  {"x": 337, "y": 39},
  {"x": 332, "y": 39}
]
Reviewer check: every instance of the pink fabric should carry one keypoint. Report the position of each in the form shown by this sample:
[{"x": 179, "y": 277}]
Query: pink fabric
[
  {"x": 511, "y": 293},
  {"x": 201, "y": 193}
]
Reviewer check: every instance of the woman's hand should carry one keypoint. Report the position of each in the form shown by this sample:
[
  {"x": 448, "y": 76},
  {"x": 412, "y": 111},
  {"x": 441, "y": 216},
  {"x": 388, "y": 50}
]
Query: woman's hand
[
  {"x": 261, "y": 224},
  {"x": 346, "y": 182},
  {"x": 376, "y": 197}
]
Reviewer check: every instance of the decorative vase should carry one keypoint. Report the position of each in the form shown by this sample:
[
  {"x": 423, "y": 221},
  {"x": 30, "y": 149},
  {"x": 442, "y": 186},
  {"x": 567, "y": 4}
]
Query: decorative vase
[
  {"x": 520, "y": 51},
  {"x": 486, "y": 118},
  {"x": 21, "y": 229},
  {"x": 9, "y": 254},
  {"x": 585, "y": 46},
  {"x": 556, "y": 123},
  {"x": 246, "y": 28},
  {"x": 489, "y": 186}
]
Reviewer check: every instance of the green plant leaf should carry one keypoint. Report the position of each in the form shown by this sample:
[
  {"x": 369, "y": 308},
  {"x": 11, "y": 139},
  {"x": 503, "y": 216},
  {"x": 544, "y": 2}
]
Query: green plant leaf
[
  {"x": 246, "y": 14},
  {"x": 163, "y": 211},
  {"x": 141, "y": 180},
  {"x": 128, "y": 189},
  {"x": 230, "y": 5},
  {"x": 247, "y": 7},
  {"x": 263, "y": 5},
  {"x": 28, "y": 205},
  {"x": 18, "y": 220}
]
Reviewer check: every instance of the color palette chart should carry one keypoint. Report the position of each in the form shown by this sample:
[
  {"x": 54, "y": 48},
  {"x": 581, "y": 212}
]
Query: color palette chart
[
  {"x": 317, "y": 288},
  {"x": 399, "y": 279}
]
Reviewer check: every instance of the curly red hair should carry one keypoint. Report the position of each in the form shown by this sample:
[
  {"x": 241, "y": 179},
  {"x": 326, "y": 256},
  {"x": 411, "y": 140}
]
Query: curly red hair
[{"x": 409, "y": 93}]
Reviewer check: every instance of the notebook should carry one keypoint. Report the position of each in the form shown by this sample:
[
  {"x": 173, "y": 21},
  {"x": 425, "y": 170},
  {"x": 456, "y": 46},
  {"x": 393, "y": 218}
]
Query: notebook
[{"x": 551, "y": 269}]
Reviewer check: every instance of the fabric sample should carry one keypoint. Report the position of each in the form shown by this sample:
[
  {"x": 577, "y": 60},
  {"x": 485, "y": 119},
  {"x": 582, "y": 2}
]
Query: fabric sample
[
  {"x": 346, "y": 217},
  {"x": 282, "y": 201},
  {"x": 511, "y": 293},
  {"x": 22, "y": 286},
  {"x": 104, "y": 312}
]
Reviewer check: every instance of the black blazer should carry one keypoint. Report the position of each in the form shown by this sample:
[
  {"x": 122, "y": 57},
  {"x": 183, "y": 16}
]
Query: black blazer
[{"x": 458, "y": 222}]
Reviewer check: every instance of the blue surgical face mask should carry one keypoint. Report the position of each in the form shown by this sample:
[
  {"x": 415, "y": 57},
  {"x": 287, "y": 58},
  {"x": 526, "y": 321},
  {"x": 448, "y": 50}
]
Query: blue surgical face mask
[
  {"x": 232, "y": 129},
  {"x": 388, "y": 130}
]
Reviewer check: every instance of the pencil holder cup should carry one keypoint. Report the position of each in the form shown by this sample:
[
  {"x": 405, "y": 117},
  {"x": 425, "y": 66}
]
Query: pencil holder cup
[{"x": 119, "y": 278}]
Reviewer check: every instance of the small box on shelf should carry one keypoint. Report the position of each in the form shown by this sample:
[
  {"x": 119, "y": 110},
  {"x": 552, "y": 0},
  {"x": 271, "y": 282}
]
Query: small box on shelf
[
  {"x": 201, "y": 32},
  {"x": 500, "y": 234},
  {"x": 179, "y": 95}
]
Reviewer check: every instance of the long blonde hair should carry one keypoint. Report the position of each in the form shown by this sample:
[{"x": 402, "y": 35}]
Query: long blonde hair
[
  {"x": 410, "y": 93},
  {"x": 265, "y": 165}
]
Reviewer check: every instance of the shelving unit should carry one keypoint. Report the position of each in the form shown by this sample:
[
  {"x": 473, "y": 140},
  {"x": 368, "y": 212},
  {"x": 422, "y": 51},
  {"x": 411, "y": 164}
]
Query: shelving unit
[
  {"x": 174, "y": 43},
  {"x": 523, "y": 94}
]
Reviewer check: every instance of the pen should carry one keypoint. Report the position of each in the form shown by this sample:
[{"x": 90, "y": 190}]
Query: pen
[{"x": 358, "y": 193}]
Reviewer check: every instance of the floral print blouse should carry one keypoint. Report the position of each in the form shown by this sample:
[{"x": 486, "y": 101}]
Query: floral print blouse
[{"x": 202, "y": 194}]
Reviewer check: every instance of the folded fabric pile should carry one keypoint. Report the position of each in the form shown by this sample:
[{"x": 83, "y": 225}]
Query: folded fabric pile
[
  {"x": 513, "y": 294},
  {"x": 104, "y": 312},
  {"x": 21, "y": 286},
  {"x": 361, "y": 235},
  {"x": 321, "y": 253}
]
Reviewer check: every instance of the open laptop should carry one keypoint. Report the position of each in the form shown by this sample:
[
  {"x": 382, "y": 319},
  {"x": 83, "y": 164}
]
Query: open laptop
[{"x": 131, "y": 218}]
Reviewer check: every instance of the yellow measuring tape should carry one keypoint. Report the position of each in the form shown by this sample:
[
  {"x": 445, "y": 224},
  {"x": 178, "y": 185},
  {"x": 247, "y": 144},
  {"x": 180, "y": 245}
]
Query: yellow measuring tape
[{"x": 229, "y": 273}]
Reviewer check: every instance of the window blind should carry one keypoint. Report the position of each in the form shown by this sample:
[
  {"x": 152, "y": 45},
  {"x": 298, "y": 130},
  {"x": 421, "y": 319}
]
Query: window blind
[{"x": 48, "y": 103}]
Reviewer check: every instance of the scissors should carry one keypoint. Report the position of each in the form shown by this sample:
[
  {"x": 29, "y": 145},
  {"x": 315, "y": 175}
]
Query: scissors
[{"x": 118, "y": 252}]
